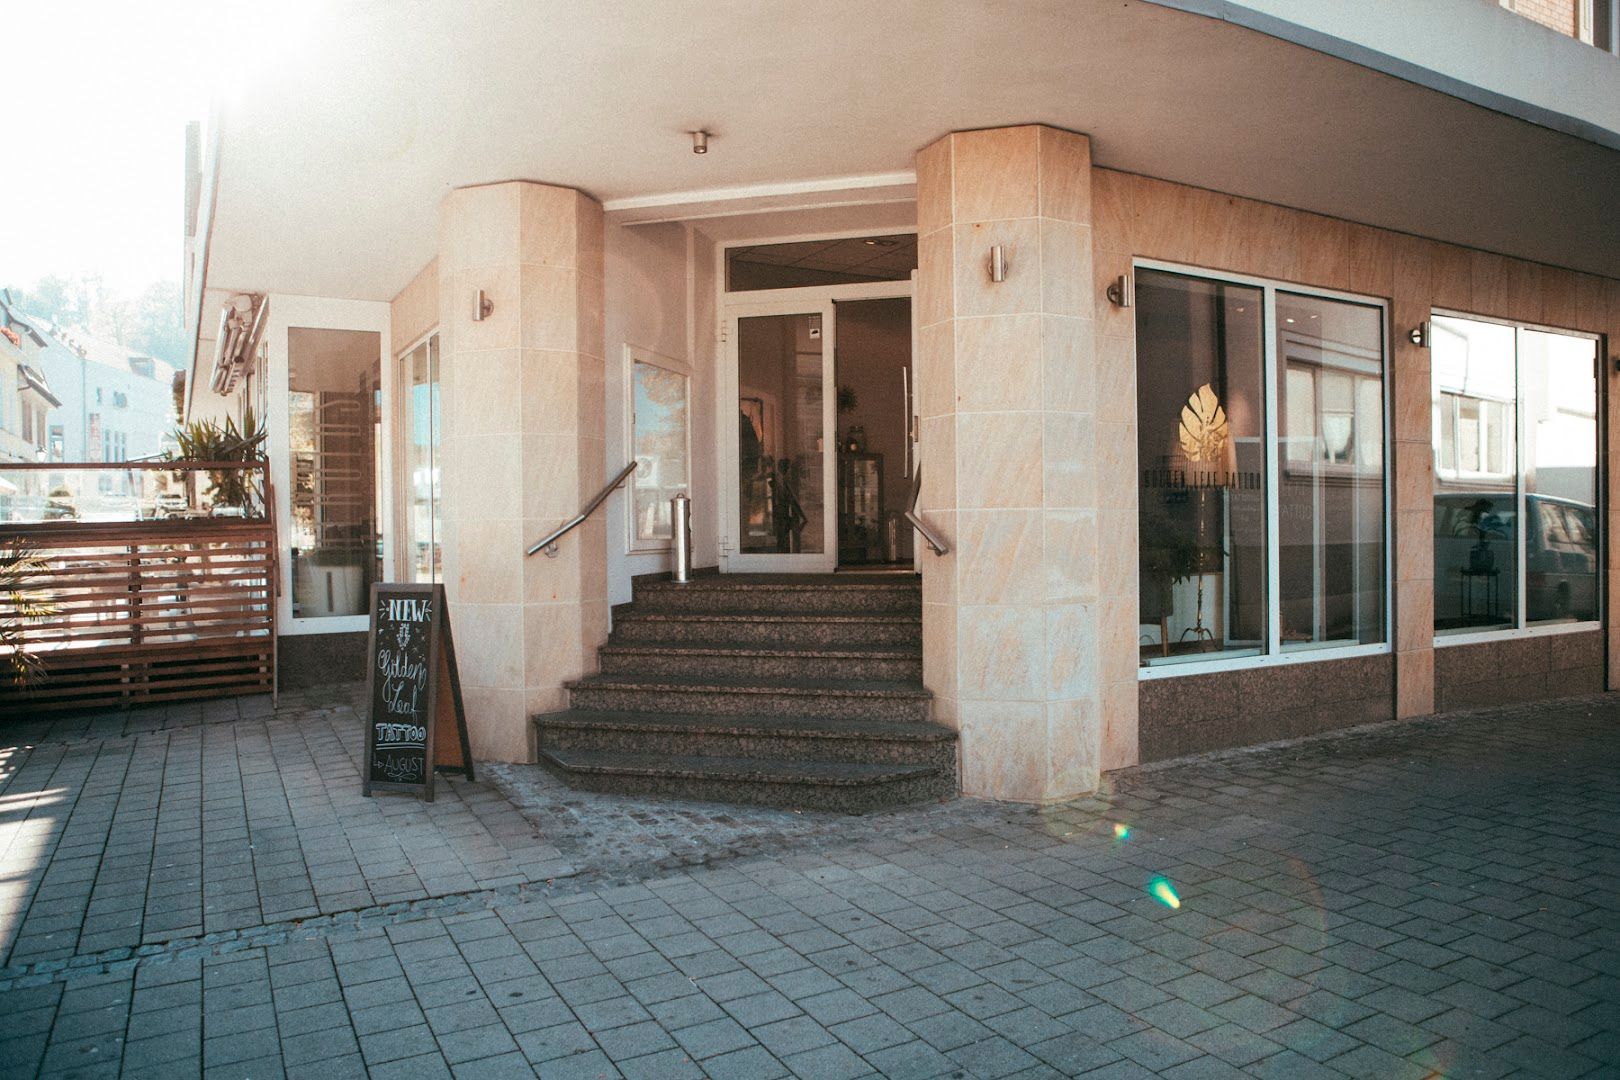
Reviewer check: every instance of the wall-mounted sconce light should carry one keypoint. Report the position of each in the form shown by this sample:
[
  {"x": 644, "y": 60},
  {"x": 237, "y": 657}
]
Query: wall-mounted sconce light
[
  {"x": 1616, "y": 359},
  {"x": 1122, "y": 293},
  {"x": 1419, "y": 335},
  {"x": 998, "y": 263},
  {"x": 482, "y": 306},
  {"x": 700, "y": 141}
]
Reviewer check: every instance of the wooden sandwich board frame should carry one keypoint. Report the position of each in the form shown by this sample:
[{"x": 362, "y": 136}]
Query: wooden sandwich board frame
[{"x": 451, "y": 753}]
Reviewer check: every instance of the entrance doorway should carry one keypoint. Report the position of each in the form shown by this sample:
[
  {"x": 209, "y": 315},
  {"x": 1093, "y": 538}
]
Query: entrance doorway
[
  {"x": 819, "y": 451},
  {"x": 874, "y": 407},
  {"x": 781, "y": 438},
  {"x": 816, "y": 459}
]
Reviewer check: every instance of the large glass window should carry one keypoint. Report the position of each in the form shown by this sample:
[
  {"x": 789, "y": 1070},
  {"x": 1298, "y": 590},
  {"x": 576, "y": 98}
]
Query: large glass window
[
  {"x": 1262, "y": 515},
  {"x": 333, "y": 424},
  {"x": 660, "y": 443},
  {"x": 1515, "y": 488},
  {"x": 1201, "y": 448},
  {"x": 1330, "y": 491}
]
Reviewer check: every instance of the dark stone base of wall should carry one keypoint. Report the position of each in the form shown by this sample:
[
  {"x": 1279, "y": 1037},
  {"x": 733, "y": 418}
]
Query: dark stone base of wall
[
  {"x": 1523, "y": 669},
  {"x": 1192, "y": 714},
  {"x": 305, "y": 660}
]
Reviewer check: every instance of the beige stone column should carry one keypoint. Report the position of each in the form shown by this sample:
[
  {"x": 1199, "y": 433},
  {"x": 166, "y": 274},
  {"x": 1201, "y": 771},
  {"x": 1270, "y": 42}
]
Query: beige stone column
[
  {"x": 1011, "y": 622},
  {"x": 522, "y": 449},
  {"x": 1413, "y": 479}
]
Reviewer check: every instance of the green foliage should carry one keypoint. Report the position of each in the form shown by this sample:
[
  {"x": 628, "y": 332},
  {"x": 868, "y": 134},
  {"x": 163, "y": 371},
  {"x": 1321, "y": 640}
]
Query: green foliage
[
  {"x": 204, "y": 440},
  {"x": 19, "y": 568},
  {"x": 1170, "y": 551},
  {"x": 151, "y": 322}
]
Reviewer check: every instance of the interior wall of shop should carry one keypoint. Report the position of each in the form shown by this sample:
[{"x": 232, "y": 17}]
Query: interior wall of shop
[{"x": 1139, "y": 217}]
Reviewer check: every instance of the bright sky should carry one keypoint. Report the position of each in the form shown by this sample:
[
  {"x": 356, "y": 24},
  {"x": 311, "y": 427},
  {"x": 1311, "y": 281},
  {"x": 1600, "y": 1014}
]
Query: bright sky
[{"x": 100, "y": 93}]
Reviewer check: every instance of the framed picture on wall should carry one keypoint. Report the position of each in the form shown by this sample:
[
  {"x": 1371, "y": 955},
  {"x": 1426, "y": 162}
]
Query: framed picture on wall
[{"x": 658, "y": 407}]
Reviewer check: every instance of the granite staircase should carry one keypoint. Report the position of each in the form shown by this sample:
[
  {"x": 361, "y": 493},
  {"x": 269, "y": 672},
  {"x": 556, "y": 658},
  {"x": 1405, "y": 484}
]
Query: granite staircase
[{"x": 801, "y": 691}]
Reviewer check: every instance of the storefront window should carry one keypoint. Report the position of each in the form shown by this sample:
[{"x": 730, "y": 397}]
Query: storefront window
[
  {"x": 1262, "y": 516},
  {"x": 333, "y": 424},
  {"x": 1330, "y": 493},
  {"x": 658, "y": 404},
  {"x": 1201, "y": 431},
  {"x": 1515, "y": 490}
]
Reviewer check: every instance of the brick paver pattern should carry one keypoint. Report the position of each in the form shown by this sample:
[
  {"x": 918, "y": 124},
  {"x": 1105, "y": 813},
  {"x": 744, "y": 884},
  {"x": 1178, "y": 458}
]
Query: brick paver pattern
[{"x": 204, "y": 890}]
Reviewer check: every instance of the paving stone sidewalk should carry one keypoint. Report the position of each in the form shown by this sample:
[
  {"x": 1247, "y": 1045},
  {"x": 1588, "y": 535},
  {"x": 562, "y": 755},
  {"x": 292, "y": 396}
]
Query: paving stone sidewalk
[{"x": 1430, "y": 899}]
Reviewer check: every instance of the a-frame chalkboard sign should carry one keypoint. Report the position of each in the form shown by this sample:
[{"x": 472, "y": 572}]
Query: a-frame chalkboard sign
[{"x": 415, "y": 723}]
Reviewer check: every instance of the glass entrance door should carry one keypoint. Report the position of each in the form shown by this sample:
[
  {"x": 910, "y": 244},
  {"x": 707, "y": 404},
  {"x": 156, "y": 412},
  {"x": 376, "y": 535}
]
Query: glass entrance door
[{"x": 780, "y": 468}]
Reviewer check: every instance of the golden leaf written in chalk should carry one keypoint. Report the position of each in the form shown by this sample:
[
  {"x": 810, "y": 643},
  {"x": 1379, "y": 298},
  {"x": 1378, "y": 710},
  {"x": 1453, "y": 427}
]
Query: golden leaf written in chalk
[{"x": 1203, "y": 425}]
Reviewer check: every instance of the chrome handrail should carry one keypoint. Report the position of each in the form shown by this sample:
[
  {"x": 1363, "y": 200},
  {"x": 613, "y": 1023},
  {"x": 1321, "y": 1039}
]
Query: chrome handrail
[
  {"x": 549, "y": 544},
  {"x": 932, "y": 538}
]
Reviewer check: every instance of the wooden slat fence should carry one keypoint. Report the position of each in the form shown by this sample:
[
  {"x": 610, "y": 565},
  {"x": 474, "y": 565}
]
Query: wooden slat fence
[{"x": 147, "y": 611}]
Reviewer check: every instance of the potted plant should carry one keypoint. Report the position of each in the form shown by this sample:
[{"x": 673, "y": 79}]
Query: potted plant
[
  {"x": 204, "y": 440},
  {"x": 1486, "y": 525},
  {"x": 1170, "y": 554},
  {"x": 19, "y": 568}
]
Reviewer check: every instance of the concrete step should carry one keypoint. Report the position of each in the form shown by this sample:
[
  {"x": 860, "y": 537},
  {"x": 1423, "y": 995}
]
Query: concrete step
[
  {"x": 843, "y": 787},
  {"x": 773, "y": 737},
  {"x": 822, "y": 699},
  {"x": 783, "y": 593},
  {"x": 631, "y": 625},
  {"x": 693, "y": 659}
]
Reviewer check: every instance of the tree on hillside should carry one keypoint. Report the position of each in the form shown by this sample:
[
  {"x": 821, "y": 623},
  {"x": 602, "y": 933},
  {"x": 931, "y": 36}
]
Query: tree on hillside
[
  {"x": 157, "y": 326},
  {"x": 150, "y": 323}
]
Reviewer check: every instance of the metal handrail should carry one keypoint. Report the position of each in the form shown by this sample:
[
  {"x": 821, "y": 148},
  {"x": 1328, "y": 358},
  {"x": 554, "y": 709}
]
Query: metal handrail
[
  {"x": 549, "y": 544},
  {"x": 932, "y": 538}
]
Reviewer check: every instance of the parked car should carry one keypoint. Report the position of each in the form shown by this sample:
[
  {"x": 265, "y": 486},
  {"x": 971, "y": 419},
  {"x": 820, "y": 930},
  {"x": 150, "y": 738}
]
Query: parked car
[{"x": 169, "y": 505}]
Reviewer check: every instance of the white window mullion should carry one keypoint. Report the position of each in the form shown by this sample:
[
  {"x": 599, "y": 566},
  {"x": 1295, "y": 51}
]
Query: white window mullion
[
  {"x": 1522, "y": 533},
  {"x": 1271, "y": 435}
]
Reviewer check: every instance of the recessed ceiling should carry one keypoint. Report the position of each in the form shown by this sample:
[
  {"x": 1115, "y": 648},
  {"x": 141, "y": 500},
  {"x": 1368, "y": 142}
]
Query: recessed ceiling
[
  {"x": 333, "y": 168},
  {"x": 857, "y": 258}
]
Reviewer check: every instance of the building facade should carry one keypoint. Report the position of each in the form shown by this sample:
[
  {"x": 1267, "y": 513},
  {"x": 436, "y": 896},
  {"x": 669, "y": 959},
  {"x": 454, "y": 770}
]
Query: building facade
[{"x": 1240, "y": 361}]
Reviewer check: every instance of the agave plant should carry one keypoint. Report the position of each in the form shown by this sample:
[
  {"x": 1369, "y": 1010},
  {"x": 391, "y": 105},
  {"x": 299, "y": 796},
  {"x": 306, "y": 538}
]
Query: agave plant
[
  {"x": 20, "y": 568},
  {"x": 204, "y": 440}
]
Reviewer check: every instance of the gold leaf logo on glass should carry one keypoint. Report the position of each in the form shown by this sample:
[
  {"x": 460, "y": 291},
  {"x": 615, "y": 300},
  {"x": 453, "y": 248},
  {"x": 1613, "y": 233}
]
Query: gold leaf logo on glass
[{"x": 1203, "y": 426}]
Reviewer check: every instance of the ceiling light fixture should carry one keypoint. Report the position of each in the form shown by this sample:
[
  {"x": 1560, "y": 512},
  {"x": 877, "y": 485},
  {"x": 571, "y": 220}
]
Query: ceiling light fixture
[{"x": 700, "y": 141}]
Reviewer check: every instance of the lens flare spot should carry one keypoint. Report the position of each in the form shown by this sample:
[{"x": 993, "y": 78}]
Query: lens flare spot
[
  {"x": 1164, "y": 892},
  {"x": 1122, "y": 831}
]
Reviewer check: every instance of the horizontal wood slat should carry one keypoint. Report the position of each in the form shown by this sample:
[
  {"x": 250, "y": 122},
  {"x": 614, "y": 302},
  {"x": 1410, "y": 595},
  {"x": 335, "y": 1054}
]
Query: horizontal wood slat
[{"x": 149, "y": 611}]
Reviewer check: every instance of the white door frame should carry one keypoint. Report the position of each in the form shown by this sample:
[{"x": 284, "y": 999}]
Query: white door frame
[
  {"x": 732, "y": 558},
  {"x": 799, "y": 301},
  {"x": 321, "y": 313}
]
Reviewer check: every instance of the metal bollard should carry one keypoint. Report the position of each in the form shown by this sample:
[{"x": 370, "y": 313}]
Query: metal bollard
[{"x": 680, "y": 517}]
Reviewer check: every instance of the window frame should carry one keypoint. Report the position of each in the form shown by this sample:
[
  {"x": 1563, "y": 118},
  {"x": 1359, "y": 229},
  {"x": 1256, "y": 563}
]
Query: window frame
[
  {"x": 397, "y": 423},
  {"x": 1274, "y": 654},
  {"x": 634, "y": 355},
  {"x": 320, "y": 313},
  {"x": 1519, "y": 630}
]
